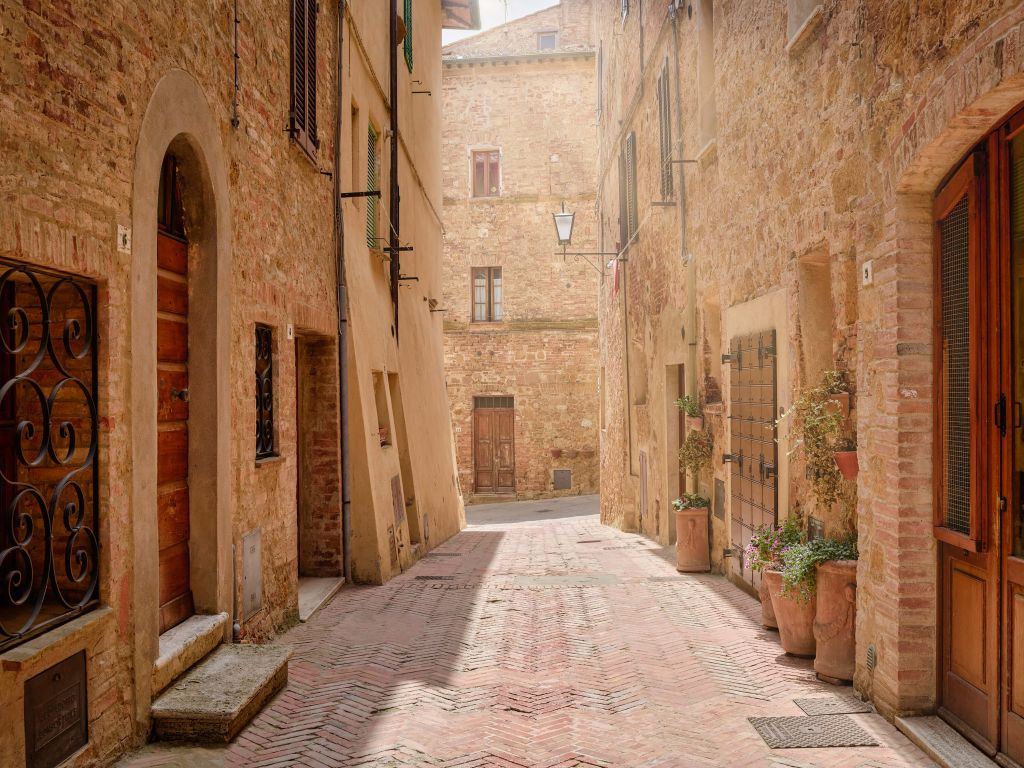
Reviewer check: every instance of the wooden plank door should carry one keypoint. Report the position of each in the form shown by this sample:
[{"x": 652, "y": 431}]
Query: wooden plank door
[
  {"x": 968, "y": 410},
  {"x": 176, "y": 602},
  {"x": 494, "y": 455},
  {"x": 753, "y": 448}
]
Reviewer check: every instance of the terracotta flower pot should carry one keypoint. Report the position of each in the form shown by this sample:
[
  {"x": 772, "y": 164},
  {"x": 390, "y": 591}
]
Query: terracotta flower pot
[
  {"x": 796, "y": 619},
  {"x": 839, "y": 402},
  {"x": 694, "y": 423},
  {"x": 692, "y": 552},
  {"x": 847, "y": 463},
  {"x": 767, "y": 611},
  {"x": 836, "y": 621}
]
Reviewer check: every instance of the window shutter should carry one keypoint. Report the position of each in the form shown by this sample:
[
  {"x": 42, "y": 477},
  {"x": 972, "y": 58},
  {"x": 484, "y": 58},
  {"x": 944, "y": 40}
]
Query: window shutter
[
  {"x": 372, "y": 184},
  {"x": 631, "y": 206},
  {"x": 665, "y": 126},
  {"x": 302, "y": 123},
  {"x": 407, "y": 18}
]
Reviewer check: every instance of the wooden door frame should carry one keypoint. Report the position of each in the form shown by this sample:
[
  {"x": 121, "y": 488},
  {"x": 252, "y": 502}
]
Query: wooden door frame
[{"x": 494, "y": 454}]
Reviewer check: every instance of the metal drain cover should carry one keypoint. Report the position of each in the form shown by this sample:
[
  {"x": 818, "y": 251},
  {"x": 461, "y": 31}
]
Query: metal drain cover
[
  {"x": 833, "y": 705},
  {"x": 434, "y": 578},
  {"x": 820, "y": 731}
]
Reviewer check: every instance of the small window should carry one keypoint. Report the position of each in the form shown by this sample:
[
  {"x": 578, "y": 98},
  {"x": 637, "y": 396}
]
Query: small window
[
  {"x": 265, "y": 447},
  {"x": 486, "y": 294},
  {"x": 407, "y": 45},
  {"x": 302, "y": 119},
  {"x": 487, "y": 173},
  {"x": 665, "y": 132},
  {"x": 547, "y": 41},
  {"x": 372, "y": 185},
  {"x": 380, "y": 398}
]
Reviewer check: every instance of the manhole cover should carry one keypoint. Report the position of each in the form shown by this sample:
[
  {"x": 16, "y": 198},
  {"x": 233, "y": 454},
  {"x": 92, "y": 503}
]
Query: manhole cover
[
  {"x": 434, "y": 578},
  {"x": 819, "y": 731},
  {"x": 833, "y": 705}
]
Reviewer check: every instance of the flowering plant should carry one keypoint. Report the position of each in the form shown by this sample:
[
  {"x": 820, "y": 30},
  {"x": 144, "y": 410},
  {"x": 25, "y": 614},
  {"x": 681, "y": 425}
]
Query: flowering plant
[
  {"x": 767, "y": 545},
  {"x": 691, "y": 501}
]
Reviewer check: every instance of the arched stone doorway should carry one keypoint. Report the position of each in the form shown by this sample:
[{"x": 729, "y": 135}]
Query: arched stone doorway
[{"x": 178, "y": 128}]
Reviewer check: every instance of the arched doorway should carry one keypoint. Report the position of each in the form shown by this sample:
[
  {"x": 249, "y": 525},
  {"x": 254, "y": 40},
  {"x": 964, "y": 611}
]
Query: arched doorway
[{"x": 979, "y": 440}]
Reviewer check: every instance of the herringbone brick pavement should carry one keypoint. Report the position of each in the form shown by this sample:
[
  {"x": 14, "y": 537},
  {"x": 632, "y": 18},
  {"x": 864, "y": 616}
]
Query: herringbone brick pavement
[{"x": 548, "y": 643}]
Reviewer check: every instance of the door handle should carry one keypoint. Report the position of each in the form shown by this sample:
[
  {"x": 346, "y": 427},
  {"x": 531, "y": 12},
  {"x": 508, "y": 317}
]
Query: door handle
[
  {"x": 1000, "y": 415},
  {"x": 179, "y": 394}
]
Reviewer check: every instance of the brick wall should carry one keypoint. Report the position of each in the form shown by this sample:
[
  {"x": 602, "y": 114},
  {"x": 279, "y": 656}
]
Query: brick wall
[{"x": 543, "y": 352}]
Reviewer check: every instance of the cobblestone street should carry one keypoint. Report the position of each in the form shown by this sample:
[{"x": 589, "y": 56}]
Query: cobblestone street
[{"x": 538, "y": 637}]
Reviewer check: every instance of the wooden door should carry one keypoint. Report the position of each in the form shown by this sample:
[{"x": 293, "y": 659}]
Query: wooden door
[
  {"x": 969, "y": 412},
  {"x": 753, "y": 448},
  {"x": 176, "y": 603},
  {"x": 494, "y": 445},
  {"x": 1011, "y": 527}
]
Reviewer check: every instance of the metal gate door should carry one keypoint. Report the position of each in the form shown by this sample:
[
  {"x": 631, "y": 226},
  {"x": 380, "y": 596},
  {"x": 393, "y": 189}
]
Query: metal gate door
[{"x": 753, "y": 445}]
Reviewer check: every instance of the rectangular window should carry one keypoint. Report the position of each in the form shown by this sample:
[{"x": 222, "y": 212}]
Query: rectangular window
[
  {"x": 265, "y": 447},
  {"x": 487, "y": 296},
  {"x": 380, "y": 398},
  {"x": 50, "y": 494},
  {"x": 547, "y": 41},
  {"x": 487, "y": 173},
  {"x": 302, "y": 119},
  {"x": 665, "y": 132},
  {"x": 372, "y": 185},
  {"x": 706, "y": 71},
  {"x": 407, "y": 45}
]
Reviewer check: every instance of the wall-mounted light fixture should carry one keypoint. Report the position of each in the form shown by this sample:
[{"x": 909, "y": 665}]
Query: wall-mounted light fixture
[{"x": 564, "y": 222}]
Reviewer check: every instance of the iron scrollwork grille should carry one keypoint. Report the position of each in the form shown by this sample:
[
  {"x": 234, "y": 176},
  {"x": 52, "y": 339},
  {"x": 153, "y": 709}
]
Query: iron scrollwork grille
[
  {"x": 49, "y": 441},
  {"x": 264, "y": 392}
]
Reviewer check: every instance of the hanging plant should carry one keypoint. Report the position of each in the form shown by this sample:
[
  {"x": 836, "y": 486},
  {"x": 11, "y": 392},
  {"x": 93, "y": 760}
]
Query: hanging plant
[
  {"x": 689, "y": 405},
  {"x": 819, "y": 425},
  {"x": 696, "y": 452}
]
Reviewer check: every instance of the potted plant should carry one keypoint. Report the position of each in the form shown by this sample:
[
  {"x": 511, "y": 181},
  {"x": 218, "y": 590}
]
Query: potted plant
[
  {"x": 838, "y": 395},
  {"x": 845, "y": 457},
  {"x": 692, "y": 552},
  {"x": 824, "y": 572},
  {"x": 690, "y": 406},
  {"x": 820, "y": 425},
  {"x": 764, "y": 555}
]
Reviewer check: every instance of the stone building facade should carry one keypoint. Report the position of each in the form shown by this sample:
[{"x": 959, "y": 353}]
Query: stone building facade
[
  {"x": 818, "y": 156},
  {"x": 520, "y": 320},
  {"x": 169, "y": 252}
]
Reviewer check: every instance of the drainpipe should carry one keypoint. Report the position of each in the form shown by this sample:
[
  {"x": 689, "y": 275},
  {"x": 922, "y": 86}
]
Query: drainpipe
[
  {"x": 691, "y": 266},
  {"x": 339, "y": 276},
  {"x": 393, "y": 193}
]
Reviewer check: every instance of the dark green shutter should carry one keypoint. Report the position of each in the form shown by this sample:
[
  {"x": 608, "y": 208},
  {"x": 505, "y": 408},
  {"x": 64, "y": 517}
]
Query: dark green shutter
[{"x": 407, "y": 18}]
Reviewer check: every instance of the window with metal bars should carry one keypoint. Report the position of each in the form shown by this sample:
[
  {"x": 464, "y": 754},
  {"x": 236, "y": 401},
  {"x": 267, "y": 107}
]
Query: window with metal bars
[
  {"x": 372, "y": 185},
  {"x": 487, "y": 294},
  {"x": 302, "y": 117},
  {"x": 628, "y": 218},
  {"x": 265, "y": 447},
  {"x": 407, "y": 45},
  {"x": 487, "y": 173},
  {"x": 665, "y": 131},
  {"x": 496, "y": 401}
]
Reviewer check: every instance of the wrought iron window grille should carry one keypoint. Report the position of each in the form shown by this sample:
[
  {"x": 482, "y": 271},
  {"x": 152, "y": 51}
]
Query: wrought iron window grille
[
  {"x": 49, "y": 460},
  {"x": 265, "y": 446}
]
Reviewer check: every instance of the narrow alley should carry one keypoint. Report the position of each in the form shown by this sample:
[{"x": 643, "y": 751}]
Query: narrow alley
[{"x": 538, "y": 637}]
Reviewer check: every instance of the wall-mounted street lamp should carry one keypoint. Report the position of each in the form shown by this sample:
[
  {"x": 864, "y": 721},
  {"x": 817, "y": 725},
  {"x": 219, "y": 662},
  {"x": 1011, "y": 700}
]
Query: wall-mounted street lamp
[{"x": 564, "y": 222}]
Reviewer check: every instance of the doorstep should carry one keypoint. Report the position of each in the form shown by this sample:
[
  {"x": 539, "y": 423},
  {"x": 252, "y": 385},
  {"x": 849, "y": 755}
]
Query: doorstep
[
  {"x": 218, "y": 697},
  {"x": 315, "y": 592},
  {"x": 943, "y": 744},
  {"x": 184, "y": 645}
]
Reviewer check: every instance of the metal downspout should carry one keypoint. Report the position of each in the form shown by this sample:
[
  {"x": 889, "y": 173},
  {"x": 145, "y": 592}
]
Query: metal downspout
[
  {"x": 339, "y": 267},
  {"x": 394, "y": 197}
]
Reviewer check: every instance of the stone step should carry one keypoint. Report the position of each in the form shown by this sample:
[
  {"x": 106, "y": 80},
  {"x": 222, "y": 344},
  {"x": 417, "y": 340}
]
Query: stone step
[
  {"x": 219, "y": 696},
  {"x": 941, "y": 743}
]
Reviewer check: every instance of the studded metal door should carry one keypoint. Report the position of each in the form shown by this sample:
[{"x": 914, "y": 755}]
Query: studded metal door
[{"x": 753, "y": 449}]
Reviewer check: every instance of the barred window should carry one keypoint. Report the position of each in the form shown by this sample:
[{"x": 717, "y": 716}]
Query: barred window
[{"x": 265, "y": 446}]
